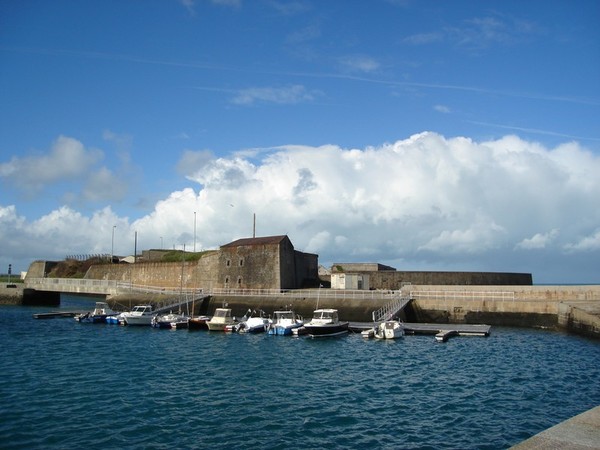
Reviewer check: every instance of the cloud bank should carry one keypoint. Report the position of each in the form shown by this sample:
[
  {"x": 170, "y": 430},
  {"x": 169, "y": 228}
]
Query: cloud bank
[{"x": 423, "y": 203}]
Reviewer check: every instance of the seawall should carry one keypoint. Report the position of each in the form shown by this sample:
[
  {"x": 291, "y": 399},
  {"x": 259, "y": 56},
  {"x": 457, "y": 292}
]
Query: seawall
[{"x": 573, "y": 308}]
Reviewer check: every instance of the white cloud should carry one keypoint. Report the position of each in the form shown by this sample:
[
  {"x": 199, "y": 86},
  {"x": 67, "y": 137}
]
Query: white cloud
[
  {"x": 282, "y": 95},
  {"x": 193, "y": 161},
  {"x": 103, "y": 185},
  {"x": 360, "y": 63},
  {"x": 68, "y": 159},
  {"x": 423, "y": 202},
  {"x": 537, "y": 241},
  {"x": 587, "y": 244},
  {"x": 442, "y": 109}
]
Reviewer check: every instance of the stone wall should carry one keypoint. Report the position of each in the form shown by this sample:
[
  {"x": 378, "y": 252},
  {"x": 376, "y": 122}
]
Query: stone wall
[
  {"x": 249, "y": 267},
  {"x": 394, "y": 280},
  {"x": 573, "y": 307},
  {"x": 199, "y": 273},
  {"x": 39, "y": 269}
]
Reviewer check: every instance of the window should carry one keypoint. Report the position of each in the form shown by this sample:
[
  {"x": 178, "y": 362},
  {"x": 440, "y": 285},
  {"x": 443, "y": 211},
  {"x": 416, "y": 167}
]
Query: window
[
  {"x": 241, "y": 262},
  {"x": 226, "y": 281},
  {"x": 228, "y": 262},
  {"x": 239, "y": 281}
]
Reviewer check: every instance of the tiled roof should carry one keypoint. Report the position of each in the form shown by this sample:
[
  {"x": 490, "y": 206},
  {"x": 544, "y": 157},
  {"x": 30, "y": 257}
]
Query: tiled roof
[{"x": 267, "y": 240}]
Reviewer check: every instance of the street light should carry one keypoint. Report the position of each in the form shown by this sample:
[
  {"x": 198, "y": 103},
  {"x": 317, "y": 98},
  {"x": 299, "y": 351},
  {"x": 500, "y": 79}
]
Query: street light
[
  {"x": 112, "y": 246},
  {"x": 161, "y": 243}
]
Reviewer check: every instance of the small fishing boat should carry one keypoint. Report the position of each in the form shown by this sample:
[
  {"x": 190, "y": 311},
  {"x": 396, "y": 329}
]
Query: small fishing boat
[
  {"x": 325, "y": 322},
  {"x": 170, "y": 321},
  {"x": 98, "y": 315},
  {"x": 198, "y": 323},
  {"x": 284, "y": 322},
  {"x": 390, "y": 329},
  {"x": 139, "y": 315},
  {"x": 221, "y": 320},
  {"x": 252, "y": 323}
]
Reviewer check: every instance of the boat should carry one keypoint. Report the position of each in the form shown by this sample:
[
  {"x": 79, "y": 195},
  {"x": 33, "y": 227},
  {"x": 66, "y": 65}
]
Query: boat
[
  {"x": 390, "y": 329},
  {"x": 284, "y": 322},
  {"x": 198, "y": 323},
  {"x": 98, "y": 315},
  {"x": 221, "y": 320},
  {"x": 139, "y": 315},
  {"x": 170, "y": 321},
  {"x": 325, "y": 322},
  {"x": 253, "y": 323},
  {"x": 115, "y": 319},
  {"x": 368, "y": 334}
]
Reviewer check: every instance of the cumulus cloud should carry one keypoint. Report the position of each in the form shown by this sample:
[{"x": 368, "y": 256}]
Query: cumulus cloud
[
  {"x": 586, "y": 244},
  {"x": 68, "y": 159},
  {"x": 539, "y": 240},
  {"x": 425, "y": 202},
  {"x": 193, "y": 161}
]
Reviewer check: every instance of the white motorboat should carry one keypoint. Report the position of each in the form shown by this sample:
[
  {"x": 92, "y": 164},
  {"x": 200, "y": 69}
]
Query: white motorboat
[
  {"x": 252, "y": 323},
  {"x": 325, "y": 322},
  {"x": 139, "y": 315},
  {"x": 221, "y": 320},
  {"x": 390, "y": 329},
  {"x": 284, "y": 322}
]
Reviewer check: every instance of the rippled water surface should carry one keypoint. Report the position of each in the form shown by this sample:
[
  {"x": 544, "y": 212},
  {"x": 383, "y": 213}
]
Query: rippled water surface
[{"x": 69, "y": 385}]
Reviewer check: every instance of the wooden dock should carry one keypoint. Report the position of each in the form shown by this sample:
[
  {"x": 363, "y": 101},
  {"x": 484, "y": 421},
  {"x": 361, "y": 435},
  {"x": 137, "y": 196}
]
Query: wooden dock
[
  {"x": 444, "y": 330},
  {"x": 55, "y": 315}
]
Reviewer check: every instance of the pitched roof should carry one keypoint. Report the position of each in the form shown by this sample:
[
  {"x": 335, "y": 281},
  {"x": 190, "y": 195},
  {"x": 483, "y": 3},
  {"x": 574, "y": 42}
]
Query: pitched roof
[{"x": 266, "y": 240}]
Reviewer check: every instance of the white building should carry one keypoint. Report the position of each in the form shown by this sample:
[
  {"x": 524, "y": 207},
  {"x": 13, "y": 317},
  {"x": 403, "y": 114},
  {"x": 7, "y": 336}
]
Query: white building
[{"x": 357, "y": 281}]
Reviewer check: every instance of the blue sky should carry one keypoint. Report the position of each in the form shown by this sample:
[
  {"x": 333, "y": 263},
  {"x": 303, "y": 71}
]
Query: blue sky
[{"x": 425, "y": 135}]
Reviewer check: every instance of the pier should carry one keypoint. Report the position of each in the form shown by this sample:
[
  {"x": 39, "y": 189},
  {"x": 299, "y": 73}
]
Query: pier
[
  {"x": 579, "y": 432},
  {"x": 444, "y": 330}
]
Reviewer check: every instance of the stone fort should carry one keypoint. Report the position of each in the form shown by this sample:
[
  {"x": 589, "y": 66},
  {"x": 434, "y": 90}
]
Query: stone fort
[{"x": 271, "y": 262}]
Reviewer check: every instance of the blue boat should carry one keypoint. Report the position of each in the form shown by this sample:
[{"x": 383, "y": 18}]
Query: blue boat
[
  {"x": 98, "y": 315},
  {"x": 284, "y": 322}
]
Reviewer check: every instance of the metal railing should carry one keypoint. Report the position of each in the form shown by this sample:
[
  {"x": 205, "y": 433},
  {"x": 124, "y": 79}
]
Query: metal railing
[
  {"x": 307, "y": 293},
  {"x": 386, "y": 312},
  {"x": 464, "y": 295}
]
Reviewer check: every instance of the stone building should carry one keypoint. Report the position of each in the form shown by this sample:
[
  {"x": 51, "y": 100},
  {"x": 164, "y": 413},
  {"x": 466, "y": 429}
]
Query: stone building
[{"x": 265, "y": 263}]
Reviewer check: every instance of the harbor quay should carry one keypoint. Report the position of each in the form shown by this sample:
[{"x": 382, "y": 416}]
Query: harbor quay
[{"x": 572, "y": 308}]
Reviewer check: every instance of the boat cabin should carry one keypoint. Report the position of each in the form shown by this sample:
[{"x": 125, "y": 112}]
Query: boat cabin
[
  {"x": 282, "y": 316},
  {"x": 325, "y": 316},
  {"x": 222, "y": 315},
  {"x": 142, "y": 309}
]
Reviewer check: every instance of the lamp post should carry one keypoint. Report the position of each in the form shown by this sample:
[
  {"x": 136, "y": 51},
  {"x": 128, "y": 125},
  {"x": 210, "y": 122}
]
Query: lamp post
[
  {"x": 194, "y": 231},
  {"x": 112, "y": 245},
  {"x": 161, "y": 243}
]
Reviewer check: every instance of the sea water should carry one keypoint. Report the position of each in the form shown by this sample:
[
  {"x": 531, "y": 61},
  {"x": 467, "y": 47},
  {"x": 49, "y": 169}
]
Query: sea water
[{"x": 67, "y": 385}]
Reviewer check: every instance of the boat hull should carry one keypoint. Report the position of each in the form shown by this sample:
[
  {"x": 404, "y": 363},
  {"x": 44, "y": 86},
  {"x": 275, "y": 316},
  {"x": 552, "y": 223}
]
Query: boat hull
[
  {"x": 137, "y": 320},
  {"x": 278, "y": 330},
  {"x": 198, "y": 323},
  {"x": 327, "y": 330}
]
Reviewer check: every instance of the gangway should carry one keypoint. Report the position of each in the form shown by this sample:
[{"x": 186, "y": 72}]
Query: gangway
[
  {"x": 179, "y": 303},
  {"x": 386, "y": 312}
]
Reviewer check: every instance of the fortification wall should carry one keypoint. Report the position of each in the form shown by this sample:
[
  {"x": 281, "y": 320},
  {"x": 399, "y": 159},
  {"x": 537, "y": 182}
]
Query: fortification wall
[
  {"x": 394, "y": 280},
  {"x": 199, "y": 273},
  {"x": 39, "y": 269}
]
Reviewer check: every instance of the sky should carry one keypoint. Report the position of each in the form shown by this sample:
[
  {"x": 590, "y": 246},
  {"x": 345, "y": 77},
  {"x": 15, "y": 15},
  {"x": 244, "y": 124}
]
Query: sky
[{"x": 424, "y": 135}]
